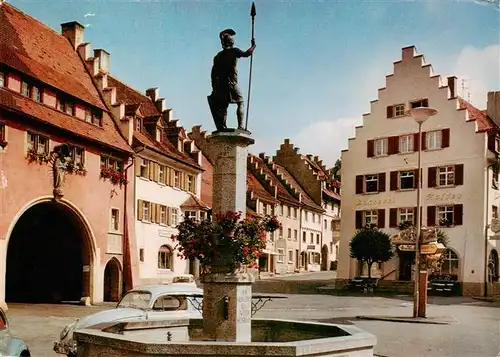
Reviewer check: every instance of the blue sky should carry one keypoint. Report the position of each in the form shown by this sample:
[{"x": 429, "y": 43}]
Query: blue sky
[{"x": 316, "y": 67}]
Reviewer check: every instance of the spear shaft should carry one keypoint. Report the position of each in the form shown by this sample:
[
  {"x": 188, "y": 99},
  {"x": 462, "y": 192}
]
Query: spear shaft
[{"x": 252, "y": 14}]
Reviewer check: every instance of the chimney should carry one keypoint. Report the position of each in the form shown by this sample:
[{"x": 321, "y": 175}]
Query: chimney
[
  {"x": 153, "y": 94},
  {"x": 73, "y": 31},
  {"x": 493, "y": 107},
  {"x": 452, "y": 85},
  {"x": 103, "y": 59}
]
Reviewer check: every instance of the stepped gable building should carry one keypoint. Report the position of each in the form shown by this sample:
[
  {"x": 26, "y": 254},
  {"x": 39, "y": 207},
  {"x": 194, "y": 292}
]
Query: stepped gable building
[
  {"x": 459, "y": 175},
  {"x": 64, "y": 167},
  {"x": 167, "y": 176},
  {"x": 324, "y": 190}
]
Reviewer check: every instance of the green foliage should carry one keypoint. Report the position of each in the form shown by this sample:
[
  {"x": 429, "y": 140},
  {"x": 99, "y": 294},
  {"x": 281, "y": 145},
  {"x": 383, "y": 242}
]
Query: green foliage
[
  {"x": 336, "y": 168},
  {"x": 370, "y": 245}
]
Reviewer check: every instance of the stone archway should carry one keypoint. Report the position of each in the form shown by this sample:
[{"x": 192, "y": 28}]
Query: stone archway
[
  {"x": 112, "y": 280},
  {"x": 49, "y": 255},
  {"x": 325, "y": 261}
]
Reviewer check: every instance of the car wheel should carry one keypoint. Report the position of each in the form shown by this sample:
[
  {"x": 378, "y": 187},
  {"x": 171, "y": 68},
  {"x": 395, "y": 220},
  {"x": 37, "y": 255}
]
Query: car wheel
[
  {"x": 25, "y": 354},
  {"x": 71, "y": 355}
]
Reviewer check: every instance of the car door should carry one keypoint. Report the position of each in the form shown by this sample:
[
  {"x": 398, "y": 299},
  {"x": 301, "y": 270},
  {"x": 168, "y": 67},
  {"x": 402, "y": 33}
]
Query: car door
[{"x": 169, "y": 307}]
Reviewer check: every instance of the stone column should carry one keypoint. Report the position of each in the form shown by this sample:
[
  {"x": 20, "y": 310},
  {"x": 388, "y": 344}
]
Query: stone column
[{"x": 227, "y": 297}]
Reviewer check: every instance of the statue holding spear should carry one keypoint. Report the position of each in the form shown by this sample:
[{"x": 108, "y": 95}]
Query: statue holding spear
[{"x": 225, "y": 89}]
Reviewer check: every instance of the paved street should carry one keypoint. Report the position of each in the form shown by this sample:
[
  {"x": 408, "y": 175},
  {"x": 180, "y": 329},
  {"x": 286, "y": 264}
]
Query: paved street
[{"x": 475, "y": 333}]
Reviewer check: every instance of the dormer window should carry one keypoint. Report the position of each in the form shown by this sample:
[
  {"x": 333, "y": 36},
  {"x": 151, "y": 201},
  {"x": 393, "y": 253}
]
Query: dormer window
[
  {"x": 69, "y": 108},
  {"x": 36, "y": 94},
  {"x": 25, "y": 89},
  {"x": 138, "y": 124},
  {"x": 61, "y": 104},
  {"x": 2, "y": 79},
  {"x": 88, "y": 115},
  {"x": 420, "y": 103},
  {"x": 158, "y": 135}
]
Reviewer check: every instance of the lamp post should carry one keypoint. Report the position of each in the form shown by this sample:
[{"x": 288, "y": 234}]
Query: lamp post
[{"x": 420, "y": 114}]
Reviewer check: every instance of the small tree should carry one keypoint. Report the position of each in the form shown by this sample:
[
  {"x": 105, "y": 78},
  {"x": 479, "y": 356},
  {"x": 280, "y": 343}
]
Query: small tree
[
  {"x": 370, "y": 245},
  {"x": 336, "y": 169}
]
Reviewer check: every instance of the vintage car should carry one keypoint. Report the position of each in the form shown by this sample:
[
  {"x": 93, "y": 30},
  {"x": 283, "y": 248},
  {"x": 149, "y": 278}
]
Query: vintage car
[
  {"x": 172, "y": 301},
  {"x": 9, "y": 345}
]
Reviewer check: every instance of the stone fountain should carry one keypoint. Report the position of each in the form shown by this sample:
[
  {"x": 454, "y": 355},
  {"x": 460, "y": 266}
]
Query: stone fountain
[{"x": 227, "y": 327}]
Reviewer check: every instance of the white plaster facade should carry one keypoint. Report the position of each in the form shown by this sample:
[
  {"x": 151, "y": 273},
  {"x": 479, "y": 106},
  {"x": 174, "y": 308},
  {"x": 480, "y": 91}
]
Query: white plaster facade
[
  {"x": 288, "y": 253},
  {"x": 331, "y": 229},
  {"x": 459, "y": 142},
  {"x": 152, "y": 237},
  {"x": 312, "y": 238}
]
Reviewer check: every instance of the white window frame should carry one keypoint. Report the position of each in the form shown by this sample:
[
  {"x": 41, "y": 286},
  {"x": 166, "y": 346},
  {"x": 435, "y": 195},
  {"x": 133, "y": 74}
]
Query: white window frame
[
  {"x": 281, "y": 255},
  {"x": 144, "y": 168},
  {"x": 36, "y": 94},
  {"x": 177, "y": 179},
  {"x": 146, "y": 211},
  {"x": 36, "y": 145},
  {"x": 191, "y": 185},
  {"x": 163, "y": 215},
  {"x": 433, "y": 140},
  {"x": 158, "y": 134},
  {"x": 295, "y": 235},
  {"x": 165, "y": 258},
  {"x": 191, "y": 214},
  {"x": 2, "y": 79},
  {"x": 175, "y": 216},
  {"x": 381, "y": 147},
  {"x": 445, "y": 176},
  {"x": 443, "y": 212},
  {"x": 289, "y": 234},
  {"x": 399, "y": 110},
  {"x": 370, "y": 217},
  {"x": 450, "y": 257},
  {"x": 114, "y": 222},
  {"x": 405, "y": 175},
  {"x": 161, "y": 174},
  {"x": 371, "y": 178},
  {"x": 406, "y": 215},
  {"x": 25, "y": 89},
  {"x": 406, "y": 144}
]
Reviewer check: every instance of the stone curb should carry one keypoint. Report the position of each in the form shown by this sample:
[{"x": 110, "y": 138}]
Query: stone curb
[{"x": 418, "y": 320}]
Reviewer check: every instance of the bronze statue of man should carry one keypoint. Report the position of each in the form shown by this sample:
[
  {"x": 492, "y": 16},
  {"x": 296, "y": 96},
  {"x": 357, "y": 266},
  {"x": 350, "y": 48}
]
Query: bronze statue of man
[{"x": 225, "y": 88}]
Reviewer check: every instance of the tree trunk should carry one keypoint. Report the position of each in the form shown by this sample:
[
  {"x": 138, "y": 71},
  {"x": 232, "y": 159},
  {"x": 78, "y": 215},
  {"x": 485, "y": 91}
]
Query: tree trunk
[{"x": 369, "y": 269}]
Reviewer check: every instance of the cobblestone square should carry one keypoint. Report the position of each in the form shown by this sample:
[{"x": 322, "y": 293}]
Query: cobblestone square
[{"x": 475, "y": 331}]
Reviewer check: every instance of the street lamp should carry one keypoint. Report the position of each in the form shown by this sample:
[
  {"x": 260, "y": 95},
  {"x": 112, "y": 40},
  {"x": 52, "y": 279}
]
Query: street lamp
[{"x": 420, "y": 114}]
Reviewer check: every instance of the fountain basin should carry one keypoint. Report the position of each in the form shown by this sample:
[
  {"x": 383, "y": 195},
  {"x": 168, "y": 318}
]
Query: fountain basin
[{"x": 270, "y": 337}]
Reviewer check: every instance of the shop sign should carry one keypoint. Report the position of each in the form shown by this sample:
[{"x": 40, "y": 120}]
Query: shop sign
[
  {"x": 375, "y": 202},
  {"x": 431, "y": 248},
  {"x": 445, "y": 196},
  {"x": 407, "y": 247}
]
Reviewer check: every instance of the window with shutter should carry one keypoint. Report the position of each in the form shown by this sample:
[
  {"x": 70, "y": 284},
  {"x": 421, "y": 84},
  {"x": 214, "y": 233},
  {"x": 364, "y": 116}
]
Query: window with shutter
[
  {"x": 434, "y": 140},
  {"x": 458, "y": 215},
  {"x": 406, "y": 143},
  {"x": 445, "y": 215},
  {"x": 459, "y": 174},
  {"x": 381, "y": 147},
  {"x": 423, "y": 142},
  {"x": 406, "y": 180},
  {"x": 393, "y": 180},
  {"x": 359, "y": 184},
  {"x": 371, "y": 183},
  {"x": 381, "y": 182},
  {"x": 416, "y": 142},
  {"x": 393, "y": 145},
  {"x": 431, "y": 216},
  {"x": 431, "y": 176},
  {"x": 446, "y": 176},
  {"x": 370, "y": 148},
  {"x": 359, "y": 220},
  {"x": 370, "y": 217},
  {"x": 393, "y": 218},
  {"x": 445, "y": 135},
  {"x": 406, "y": 215},
  {"x": 139, "y": 210},
  {"x": 390, "y": 111},
  {"x": 381, "y": 218}
]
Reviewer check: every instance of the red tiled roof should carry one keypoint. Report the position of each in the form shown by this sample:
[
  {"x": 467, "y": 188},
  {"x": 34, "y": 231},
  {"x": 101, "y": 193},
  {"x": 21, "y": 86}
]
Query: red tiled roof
[
  {"x": 135, "y": 100},
  {"x": 251, "y": 213},
  {"x": 165, "y": 148},
  {"x": 283, "y": 193},
  {"x": 127, "y": 95},
  {"x": 306, "y": 200},
  {"x": 254, "y": 185},
  {"x": 107, "y": 134},
  {"x": 484, "y": 122},
  {"x": 194, "y": 203},
  {"x": 324, "y": 176},
  {"x": 32, "y": 48}
]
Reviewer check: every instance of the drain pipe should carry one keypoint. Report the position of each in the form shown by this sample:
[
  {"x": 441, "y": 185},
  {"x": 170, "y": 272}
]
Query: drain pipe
[
  {"x": 127, "y": 259},
  {"x": 486, "y": 227}
]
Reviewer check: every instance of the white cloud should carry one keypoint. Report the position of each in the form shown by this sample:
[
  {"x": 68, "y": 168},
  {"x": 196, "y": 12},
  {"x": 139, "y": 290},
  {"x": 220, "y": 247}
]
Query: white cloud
[
  {"x": 89, "y": 14},
  {"x": 326, "y": 138},
  {"x": 480, "y": 67}
]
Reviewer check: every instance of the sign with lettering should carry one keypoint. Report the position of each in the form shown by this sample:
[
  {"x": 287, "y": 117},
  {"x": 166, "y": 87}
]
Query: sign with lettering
[
  {"x": 407, "y": 247},
  {"x": 428, "y": 235},
  {"x": 164, "y": 233},
  {"x": 244, "y": 304},
  {"x": 375, "y": 202},
  {"x": 311, "y": 247},
  {"x": 443, "y": 197},
  {"x": 428, "y": 248}
]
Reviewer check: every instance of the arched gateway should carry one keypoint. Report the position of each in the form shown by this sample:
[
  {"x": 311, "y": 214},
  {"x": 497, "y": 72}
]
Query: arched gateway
[{"x": 49, "y": 255}]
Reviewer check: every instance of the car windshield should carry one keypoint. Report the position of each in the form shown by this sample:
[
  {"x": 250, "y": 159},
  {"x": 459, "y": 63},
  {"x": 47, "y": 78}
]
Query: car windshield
[{"x": 136, "y": 299}]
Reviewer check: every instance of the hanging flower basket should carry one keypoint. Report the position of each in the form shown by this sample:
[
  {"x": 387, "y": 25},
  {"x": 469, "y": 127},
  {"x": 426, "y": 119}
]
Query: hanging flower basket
[
  {"x": 34, "y": 156},
  {"x": 116, "y": 177},
  {"x": 226, "y": 244}
]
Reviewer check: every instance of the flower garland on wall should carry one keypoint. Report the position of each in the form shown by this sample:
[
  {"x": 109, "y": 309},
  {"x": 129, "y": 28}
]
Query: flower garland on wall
[
  {"x": 226, "y": 243},
  {"x": 69, "y": 164}
]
